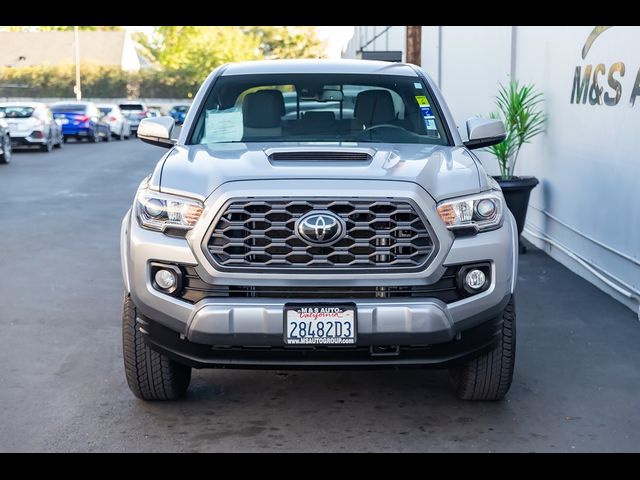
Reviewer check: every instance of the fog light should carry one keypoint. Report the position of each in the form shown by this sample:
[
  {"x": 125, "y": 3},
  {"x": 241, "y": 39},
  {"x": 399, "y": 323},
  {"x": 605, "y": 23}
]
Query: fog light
[
  {"x": 166, "y": 279},
  {"x": 475, "y": 279}
]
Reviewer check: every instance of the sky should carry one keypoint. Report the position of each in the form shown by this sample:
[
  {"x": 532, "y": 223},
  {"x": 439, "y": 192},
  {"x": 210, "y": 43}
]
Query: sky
[{"x": 335, "y": 36}]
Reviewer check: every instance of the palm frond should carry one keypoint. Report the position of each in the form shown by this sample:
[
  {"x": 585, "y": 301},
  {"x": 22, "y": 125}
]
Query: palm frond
[{"x": 519, "y": 107}]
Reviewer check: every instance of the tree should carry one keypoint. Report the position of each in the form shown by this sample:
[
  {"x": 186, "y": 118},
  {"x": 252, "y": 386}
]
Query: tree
[
  {"x": 288, "y": 42},
  {"x": 197, "y": 50}
]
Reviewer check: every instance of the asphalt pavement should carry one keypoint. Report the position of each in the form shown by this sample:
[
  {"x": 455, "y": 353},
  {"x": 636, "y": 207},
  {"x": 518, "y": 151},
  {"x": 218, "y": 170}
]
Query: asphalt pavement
[{"x": 62, "y": 385}]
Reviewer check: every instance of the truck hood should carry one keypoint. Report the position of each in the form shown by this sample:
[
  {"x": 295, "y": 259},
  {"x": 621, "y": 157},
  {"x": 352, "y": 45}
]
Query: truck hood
[{"x": 197, "y": 170}]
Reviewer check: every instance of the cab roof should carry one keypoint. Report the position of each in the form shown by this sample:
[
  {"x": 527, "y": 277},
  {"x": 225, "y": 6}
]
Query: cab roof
[{"x": 319, "y": 66}]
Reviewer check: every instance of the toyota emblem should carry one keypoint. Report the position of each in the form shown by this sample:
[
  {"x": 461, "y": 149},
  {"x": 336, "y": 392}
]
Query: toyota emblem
[{"x": 320, "y": 227}]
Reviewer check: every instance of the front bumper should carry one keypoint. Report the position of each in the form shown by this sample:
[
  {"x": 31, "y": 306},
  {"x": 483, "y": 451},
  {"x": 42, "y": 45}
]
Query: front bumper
[
  {"x": 223, "y": 331},
  {"x": 467, "y": 344}
]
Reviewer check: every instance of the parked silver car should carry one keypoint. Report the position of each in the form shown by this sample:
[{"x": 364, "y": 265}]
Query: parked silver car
[
  {"x": 356, "y": 230},
  {"x": 31, "y": 124}
]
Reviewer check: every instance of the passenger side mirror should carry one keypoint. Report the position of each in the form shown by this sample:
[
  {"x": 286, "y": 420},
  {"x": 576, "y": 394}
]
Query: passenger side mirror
[
  {"x": 484, "y": 132},
  {"x": 157, "y": 131}
]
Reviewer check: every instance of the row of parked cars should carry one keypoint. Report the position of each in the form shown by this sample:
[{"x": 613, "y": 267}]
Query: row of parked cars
[{"x": 35, "y": 124}]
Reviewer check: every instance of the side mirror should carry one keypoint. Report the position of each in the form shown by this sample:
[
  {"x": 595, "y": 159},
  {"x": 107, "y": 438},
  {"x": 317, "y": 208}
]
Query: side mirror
[
  {"x": 484, "y": 132},
  {"x": 157, "y": 131}
]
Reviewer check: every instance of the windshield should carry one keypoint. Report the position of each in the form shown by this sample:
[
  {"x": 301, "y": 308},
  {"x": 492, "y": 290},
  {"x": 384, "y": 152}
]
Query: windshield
[
  {"x": 74, "y": 108},
  {"x": 105, "y": 110},
  {"x": 181, "y": 109},
  {"x": 131, "y": 106},
  {"x": 318, "y": 108},
  {"x": 17, "y": 112}
]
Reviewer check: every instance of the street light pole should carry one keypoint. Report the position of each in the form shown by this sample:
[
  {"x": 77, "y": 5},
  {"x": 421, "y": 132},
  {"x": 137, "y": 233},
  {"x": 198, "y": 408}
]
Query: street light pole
[{"x": 76, "y": 89}]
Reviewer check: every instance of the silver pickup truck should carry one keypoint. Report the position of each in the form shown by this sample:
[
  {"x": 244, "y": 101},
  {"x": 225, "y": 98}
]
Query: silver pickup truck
[{"x": 319, "y": 214}]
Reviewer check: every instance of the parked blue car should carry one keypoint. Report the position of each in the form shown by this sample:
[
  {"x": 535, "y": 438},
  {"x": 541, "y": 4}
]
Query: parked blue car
[
  {"x": 179, "y": 112},
  {"x": 81, "y": 120}
]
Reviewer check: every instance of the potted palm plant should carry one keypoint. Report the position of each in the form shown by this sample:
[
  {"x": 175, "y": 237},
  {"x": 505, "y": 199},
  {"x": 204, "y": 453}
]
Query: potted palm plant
[{"x": 519, "y": 107}]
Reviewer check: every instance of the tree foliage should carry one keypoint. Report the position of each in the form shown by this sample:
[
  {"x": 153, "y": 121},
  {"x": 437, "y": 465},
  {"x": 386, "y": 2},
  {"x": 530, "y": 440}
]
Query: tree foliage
[
  {"x": 288, "y": 42},
  {"x": 58, "y": 81},
  {"x": 197, "y": 50},
  {"x": 183, "y": 55}
]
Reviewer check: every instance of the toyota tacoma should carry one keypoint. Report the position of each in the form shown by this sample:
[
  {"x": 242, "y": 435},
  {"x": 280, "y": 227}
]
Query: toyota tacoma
[{"x": 319, "y": 214}]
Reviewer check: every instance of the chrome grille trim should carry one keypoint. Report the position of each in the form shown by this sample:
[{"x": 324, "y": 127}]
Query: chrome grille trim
[{"x": 258, "y": 234}]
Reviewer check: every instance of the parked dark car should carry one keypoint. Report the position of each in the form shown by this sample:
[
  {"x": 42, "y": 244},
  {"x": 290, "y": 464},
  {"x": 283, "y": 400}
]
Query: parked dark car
[
  {"x": 31, "y": 124},
  {"x": 179, "y": 112},
  {"x": 81, "y": 120},
  {"x": 5, "y": 141}
]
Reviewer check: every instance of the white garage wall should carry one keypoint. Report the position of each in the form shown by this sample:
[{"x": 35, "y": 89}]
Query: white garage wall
[
  {"x": 587, "y": 206},
  {"x": 385, "y": 38}
]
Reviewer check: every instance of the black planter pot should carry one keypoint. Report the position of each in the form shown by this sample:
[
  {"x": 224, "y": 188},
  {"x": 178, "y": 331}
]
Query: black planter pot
[{"x": 516, "y": 193}]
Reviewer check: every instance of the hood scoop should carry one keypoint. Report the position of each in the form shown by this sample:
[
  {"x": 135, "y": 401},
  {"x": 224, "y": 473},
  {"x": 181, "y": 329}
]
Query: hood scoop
[{"x": 346, "y": 155}]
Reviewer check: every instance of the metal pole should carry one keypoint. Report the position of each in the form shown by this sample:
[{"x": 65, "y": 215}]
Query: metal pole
[
  {"x": 414, "y": 44},
  {"x": 77, "y": 47}
]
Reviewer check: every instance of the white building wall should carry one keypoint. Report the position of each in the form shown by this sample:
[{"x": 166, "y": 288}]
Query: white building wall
[
  {"x": 130, "y": 60},
  {"x": 587, "y": 205},
  {"x": 393, "y": 38}
]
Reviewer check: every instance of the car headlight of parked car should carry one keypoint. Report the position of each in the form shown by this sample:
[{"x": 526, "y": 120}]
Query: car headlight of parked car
[
  {"x": 480, "y": 212},
  {"x": 163, "y": 212}
]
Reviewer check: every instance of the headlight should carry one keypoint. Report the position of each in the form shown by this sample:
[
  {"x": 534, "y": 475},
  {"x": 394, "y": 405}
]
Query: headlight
[
  {"x": 160, "y": 211},
  {"x": 481, "y": 212}
]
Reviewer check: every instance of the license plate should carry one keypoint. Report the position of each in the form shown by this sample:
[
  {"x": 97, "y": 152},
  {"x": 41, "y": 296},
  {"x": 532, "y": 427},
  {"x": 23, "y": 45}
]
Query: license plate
[{"x": 320, "y": 324}]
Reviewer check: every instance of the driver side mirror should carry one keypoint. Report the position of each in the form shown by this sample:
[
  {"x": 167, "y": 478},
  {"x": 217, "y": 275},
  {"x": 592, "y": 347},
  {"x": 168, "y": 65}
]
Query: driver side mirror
[
  {"x": 484, "y": 132},
  {"x": 157, "y": 131}
]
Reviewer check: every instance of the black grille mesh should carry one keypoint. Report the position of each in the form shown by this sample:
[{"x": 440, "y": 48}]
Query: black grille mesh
[{"x": 380, "y": 233}]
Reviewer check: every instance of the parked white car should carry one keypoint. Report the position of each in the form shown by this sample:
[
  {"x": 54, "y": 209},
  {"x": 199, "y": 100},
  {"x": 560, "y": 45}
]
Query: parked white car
[
  {"x": 119, "y": 125},
  {"x": 32, "y": 124}
]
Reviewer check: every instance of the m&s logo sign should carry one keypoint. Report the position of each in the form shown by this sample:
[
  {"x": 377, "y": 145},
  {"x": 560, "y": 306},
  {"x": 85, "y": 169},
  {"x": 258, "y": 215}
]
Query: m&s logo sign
[{"x": 598, "y": 85}]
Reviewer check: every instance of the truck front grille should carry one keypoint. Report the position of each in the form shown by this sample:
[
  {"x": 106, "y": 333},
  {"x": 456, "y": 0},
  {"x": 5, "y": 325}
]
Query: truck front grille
[{"x": 380, "y": 233}]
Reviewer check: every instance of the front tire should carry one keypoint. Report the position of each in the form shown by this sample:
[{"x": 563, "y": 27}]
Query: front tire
[
  {"x": 150, "y": 375},
  {"x": 489, "y": 376},
  {"x": 5, "y": 156}
]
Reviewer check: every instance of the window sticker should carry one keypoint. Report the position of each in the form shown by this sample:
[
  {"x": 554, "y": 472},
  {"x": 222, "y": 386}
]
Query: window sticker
[
  {"x": 223, "y": 126},
  {"x": 422, "y": 101},
  {"x": 417, "y": 85},
  {"x": 426, "y": 111}
]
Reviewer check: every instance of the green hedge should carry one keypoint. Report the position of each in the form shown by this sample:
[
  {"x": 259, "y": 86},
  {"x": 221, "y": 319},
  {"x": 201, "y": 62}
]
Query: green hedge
[{"x": 97, "y": 82}]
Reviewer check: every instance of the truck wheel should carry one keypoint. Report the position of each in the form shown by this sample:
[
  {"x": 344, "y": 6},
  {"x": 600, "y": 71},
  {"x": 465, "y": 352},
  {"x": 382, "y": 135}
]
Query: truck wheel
[
  {"x": 150, "y": 375},
  {"x": 489, "y": 376}
]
